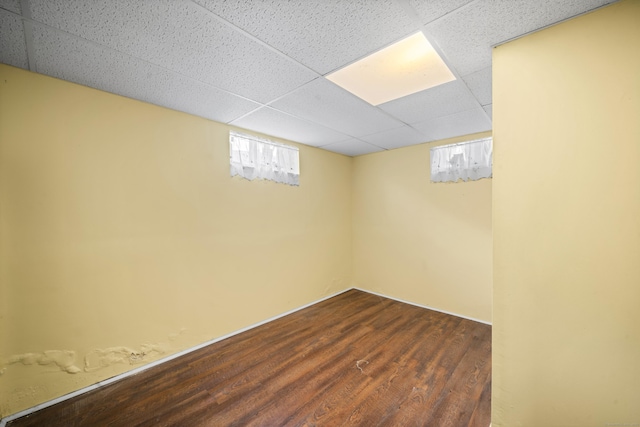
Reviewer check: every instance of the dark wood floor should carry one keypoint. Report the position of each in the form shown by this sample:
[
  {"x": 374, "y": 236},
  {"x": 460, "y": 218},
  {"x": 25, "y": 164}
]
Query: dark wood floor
[{"x": 353, "y": 360}]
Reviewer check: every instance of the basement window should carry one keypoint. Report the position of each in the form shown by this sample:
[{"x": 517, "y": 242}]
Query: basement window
[
  {"x": 258, "y": 158},
  {"x": 471, "y": 160}
]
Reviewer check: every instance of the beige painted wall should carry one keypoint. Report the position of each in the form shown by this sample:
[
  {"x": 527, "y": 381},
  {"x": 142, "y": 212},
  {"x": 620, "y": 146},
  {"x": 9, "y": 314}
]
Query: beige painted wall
[
  {"x": 122, "y": 232},
  {"x": 428, "y": 243},
  {"x": 566, "y": 206}
]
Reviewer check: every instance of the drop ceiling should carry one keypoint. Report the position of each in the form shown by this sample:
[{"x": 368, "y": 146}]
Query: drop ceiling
[{"x": 261, "y": 64}]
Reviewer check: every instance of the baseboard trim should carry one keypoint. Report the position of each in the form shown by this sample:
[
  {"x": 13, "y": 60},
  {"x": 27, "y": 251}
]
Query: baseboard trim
[
  {"x": 12, "y": 417},
  {"x": 422, "y": 306}
]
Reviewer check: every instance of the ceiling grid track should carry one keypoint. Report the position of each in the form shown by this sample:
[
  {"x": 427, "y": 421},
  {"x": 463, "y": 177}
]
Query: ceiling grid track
[
  {"x": 254, "y": 38},
  {"x": 28, "y": 34}
]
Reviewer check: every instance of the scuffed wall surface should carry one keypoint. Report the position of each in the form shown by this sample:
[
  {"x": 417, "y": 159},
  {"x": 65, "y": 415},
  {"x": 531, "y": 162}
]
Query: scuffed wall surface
[
  {"x": 428, "y": 243},
  {"x": 566, "y": 206},
  {"x": 123, "y": 239}
]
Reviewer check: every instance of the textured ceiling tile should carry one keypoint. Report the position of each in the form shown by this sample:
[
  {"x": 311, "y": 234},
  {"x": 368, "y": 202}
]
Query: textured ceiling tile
[
  {"x": 480, "y": 85},
  {"x": 12, "y": 5},
  {"x": 282, "y": 125},
  {"x": 182, "y": 37},
  {"x": 322, "y": 34},
  {"x": 466, "y": 36},
  {"x": 197, "y": 98},
  {"x": 70, "y": 58},
  {"x": 352, "y": 147},
  {"x": 395, "y": 138},
  {"x": 431, "y": 10},
  {"x": 13, "y": 49},
  {"x": 489, "y": 110},
  {"x": 459, "y": 124},
  {"x": 76, "y": 60},
  {"x": 327, "y": 104},
  {"x": 439, "y": 101}
]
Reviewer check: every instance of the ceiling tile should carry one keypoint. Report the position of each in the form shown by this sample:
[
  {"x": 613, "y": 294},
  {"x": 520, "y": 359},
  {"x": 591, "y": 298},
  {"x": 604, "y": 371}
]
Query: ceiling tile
[
  {"x": 13, "y": 49},
  {"x": 489, "y": 110},
  {"x": 439, "y": 101},
  {"x": 200, "y": 99},
  {"x": 73, "y": 59},
  {"x": 480, "y": 85},
  {"x": 352, "y": 147},
  {"x": 329, "y": 105},
  {"x": 282, "y": 125},
  {"x": 322, "y": 34},
  {"x": 181, "y": 36},
  {"x": 431, "y": 10},
  {"x": 466, "y": 36},
  {"x": 12, "y": 5},
  {"x": 395, "y": 138},
  {"x": 464, "y": 123}
]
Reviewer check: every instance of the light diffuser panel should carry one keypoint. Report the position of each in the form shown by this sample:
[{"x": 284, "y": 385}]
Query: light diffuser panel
[{"x": 408, "y": 66}]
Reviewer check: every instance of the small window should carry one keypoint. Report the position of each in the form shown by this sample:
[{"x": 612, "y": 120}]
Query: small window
[
  {"x": 257, "y": 158},
  {"x": 470, "y": 160}
]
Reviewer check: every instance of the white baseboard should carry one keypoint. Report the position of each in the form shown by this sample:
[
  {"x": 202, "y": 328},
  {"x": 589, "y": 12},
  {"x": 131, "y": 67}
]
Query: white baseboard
[
  {"x": 424, "y": 306},
  {"x": 5, "y": 420}
]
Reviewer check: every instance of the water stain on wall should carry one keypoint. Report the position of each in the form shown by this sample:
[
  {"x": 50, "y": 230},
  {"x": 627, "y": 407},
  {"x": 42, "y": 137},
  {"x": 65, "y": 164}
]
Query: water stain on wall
[
  {"x": 63, "y": 359},
  {"x": 94, "y": 360},
  {"x": 103, "y": 357}
]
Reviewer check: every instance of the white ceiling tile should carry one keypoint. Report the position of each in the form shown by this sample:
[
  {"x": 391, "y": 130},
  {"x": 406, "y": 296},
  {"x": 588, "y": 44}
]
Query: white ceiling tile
[
  {"x": 11, "y": 5},
  {"x": 200, "y": 99},
  {"x": 480, "y": 85},
  {"x": 352, "y": 147},
  {"x": 329, "y": 105},
  {"x": 73, "y": 59},
  {"x": 438, "y": 101},
  {"x": 13, "y": 49},
  {"x": 322, "y": 34},
  {"x": 489, "y": 110},
  {"x": 282, "y": 125},
  {"x": 395, "y": 138},
  {"x": 181, "y": 36},
  {"x": 466, "y": 36},
  {"x": 464, "y": 123},
  {"x": 431, "y": 10}
]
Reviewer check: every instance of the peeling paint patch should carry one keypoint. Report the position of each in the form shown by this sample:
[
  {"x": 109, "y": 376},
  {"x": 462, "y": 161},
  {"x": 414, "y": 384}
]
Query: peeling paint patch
[
  {"x": 63, "y": 359},
  {"x": 95, "y": 359},
  {"x": 103, "y": 357}
]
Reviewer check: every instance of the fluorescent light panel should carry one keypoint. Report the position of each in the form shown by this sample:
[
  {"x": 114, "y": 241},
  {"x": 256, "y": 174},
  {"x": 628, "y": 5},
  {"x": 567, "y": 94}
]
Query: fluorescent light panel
[{"x": 405, "y": 67}]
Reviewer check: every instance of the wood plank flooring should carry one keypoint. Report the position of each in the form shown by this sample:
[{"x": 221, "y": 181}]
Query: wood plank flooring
[{"x": 353, "y": 360}]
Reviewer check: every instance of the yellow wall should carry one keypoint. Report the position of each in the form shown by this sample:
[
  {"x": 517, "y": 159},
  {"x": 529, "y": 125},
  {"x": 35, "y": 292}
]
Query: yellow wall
[
  {"x": 122, "y": 232},
  {"x": 566, "y": 206},
  {"x": 428, "y": 243}
]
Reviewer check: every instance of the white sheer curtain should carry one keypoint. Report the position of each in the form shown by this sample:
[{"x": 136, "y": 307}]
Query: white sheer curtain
[
  {"x": 252, "y": 157},
  {"x": 466, "y": 161}
]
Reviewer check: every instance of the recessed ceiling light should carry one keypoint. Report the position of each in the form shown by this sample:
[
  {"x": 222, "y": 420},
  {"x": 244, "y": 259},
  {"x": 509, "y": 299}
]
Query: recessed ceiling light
[{"x": 405, "y": 67}]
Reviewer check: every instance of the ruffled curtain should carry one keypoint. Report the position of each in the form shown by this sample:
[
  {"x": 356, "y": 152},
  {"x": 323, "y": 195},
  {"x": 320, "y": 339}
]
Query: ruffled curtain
[
  {"x": 466, "y": 161},
  {"x": 256, "y": 158}
]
